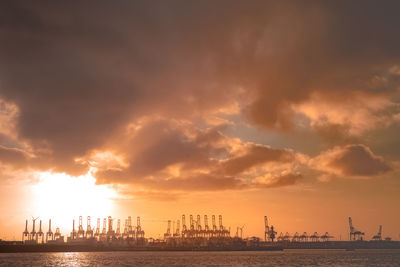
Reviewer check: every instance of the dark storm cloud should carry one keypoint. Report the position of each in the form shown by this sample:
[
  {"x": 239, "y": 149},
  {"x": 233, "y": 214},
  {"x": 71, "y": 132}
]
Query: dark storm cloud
[
  {"x": 255, "y": 155},
  {"x": 81, "y": 72},
  {"x": 334, "y": 48},
  {"x": 164, "y": 156},
  {"x": 199, "y": 183},
  {"x": 349, "y": 161},
  {"x": 78, "y": 73},
  {"x": 13, "y": 156},
  {"x": 358, "y": 160},
  {"x": 159, "y": 144}
]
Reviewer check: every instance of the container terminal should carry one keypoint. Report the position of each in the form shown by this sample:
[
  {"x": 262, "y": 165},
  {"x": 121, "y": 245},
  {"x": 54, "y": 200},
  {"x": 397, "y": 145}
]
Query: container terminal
[{"x": 188, "y": 233}]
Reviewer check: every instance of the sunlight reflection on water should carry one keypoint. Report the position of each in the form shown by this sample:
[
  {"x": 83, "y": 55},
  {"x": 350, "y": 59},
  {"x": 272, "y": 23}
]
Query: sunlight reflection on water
[{"x": 212, "y": 259}]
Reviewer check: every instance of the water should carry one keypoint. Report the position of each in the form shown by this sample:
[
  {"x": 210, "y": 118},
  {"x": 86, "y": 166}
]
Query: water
[{"x": 211, "y": 259}]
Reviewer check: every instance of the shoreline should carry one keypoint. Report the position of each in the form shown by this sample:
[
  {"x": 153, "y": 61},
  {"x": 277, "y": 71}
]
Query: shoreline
[{"x": 331, "y": 245}]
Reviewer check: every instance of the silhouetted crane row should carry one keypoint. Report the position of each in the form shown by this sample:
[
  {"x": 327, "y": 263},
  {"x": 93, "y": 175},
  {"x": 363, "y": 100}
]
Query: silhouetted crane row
[
  {"x": 106, "y": 233},
  {"x": 315, "y": 237},
  {"x": 284, "y": 238},
  {"x": 131, "y": 234},
  {"x": 35, "y": 237},
  {"x": 270, "y": 235},
  {"x": 197, "y": 230},
  {"x": 325, "y": 237}
]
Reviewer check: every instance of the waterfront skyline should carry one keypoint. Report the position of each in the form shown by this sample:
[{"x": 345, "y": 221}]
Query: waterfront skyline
[{"x": 245, "y": 109}]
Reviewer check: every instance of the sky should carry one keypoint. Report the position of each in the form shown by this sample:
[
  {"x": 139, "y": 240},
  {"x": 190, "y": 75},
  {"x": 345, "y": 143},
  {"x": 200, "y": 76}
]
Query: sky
[{"x": 289, "y": 109}]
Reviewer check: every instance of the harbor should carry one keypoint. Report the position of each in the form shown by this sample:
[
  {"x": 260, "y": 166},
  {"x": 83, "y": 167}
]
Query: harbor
[{"x": 193, "y": 234}]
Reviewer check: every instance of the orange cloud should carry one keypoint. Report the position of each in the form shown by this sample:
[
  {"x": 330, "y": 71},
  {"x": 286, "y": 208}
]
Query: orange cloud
[
  {"x": 351, "y": 161},
  {"x": 165, "y": 155},
  {"x": 270, "y": 181},
  {"x": 356, "y": 113}
]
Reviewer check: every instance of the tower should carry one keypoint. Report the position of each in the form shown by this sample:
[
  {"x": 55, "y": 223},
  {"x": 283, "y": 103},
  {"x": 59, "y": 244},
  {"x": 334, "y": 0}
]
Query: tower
[
  {"x": 184, "y": 228},
  {"x": 214, "y": 225},
  {"x": 49, "y": 234},
  {"x": 110, "y": 232},
  {"x": 266, "y": 232},
  {"x": 57, "y": 235},
  {"x": 40, "y": 234},
  {"x": 89, "y": 230},
  {"x": 25, "y": 234},
  {"x": 97, "y": 232},
  {"x": 81, "y": 232},
  {"x": 206, "y": 228},
  {"x": 167, "y": 234},
  {"x": 191, "y": 223},
  {"x": 103, "y": 234},
  {"x": 139, "y": 230},
  {"x": 131, "y": 231},
  {"x": 199, "y": 230},
  {"x": 73, "y": 233},
  {"x": 33, "y": 233},
  {"x": 177, "y": 230},
  {"x": 118, "y": 233}
]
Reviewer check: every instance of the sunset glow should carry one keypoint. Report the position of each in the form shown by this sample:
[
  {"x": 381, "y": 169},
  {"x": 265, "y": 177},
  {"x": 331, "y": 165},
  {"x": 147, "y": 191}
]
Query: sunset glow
[
  {"x": 61, "y": 197},
  {"x": 244, "y": 109}
]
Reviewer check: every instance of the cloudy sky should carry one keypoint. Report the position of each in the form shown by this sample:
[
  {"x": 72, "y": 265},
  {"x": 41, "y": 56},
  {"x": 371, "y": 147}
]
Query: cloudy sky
[{"x": 242, "y": 108}]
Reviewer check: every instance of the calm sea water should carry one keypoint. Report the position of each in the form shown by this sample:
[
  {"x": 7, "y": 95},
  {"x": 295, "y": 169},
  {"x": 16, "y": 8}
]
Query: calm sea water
[{"x": 212, "y": 259}]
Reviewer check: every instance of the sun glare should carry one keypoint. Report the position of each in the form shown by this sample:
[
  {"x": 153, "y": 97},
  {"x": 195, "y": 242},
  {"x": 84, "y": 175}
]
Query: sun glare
[{"x": 61, "y": 197}]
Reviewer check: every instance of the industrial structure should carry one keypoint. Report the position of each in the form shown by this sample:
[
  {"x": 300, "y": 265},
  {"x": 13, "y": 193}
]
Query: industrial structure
[
  {"x": 378, "y": 237},
  {"x": 133, "y": 235},
  {"x": 269, "y": 234},
  {"x": 354, "y": 235},
  {"x": 196, "y": 230},
  {"x": 194, "y": 233},
  {"x": 38, "y": 237}
]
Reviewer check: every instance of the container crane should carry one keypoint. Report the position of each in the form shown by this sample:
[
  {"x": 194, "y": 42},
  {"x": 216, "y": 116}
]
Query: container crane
[
  {"x": 81, "y": 232},
  {"x": 89, "y": 230},
  {"x": 270, "y": 233},
  {"x": 378, "y": 237},
  {"x": 49, "y": 234},
  {"x": 25, "y": 234},
  {"x": 355, "y": 235},
  {"x": 168, "y": 233}
]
